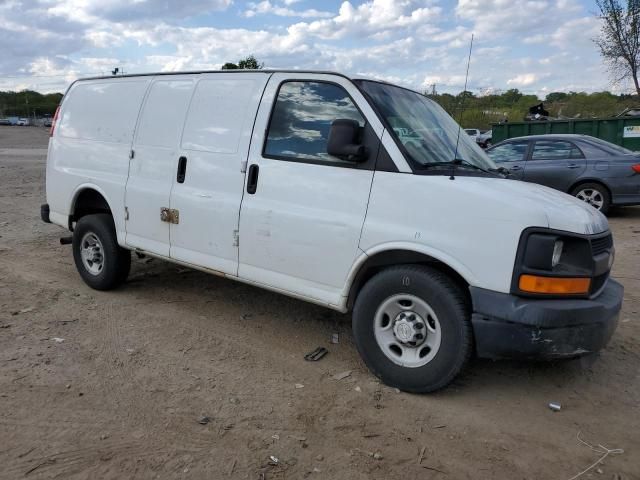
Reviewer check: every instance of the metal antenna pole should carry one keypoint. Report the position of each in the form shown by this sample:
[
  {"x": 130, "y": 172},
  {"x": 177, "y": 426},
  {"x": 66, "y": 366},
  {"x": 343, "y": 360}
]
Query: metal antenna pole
[{"x": 464, "y": 94}]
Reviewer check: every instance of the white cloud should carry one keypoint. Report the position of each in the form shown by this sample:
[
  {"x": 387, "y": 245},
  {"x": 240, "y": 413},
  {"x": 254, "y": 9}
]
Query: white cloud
[
  {"x": 412, "y": 42},
  {"x": 523, "y": 80},
  {"x": 266, "y": 7}
]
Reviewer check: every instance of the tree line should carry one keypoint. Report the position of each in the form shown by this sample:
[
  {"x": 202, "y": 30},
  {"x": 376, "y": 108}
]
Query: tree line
[
  {"x": 28, "y": 103},
  {"x": 473, "y": 111}
]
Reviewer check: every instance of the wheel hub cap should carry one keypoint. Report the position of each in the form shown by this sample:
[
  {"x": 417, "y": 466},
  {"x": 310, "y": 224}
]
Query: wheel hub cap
[
  {"x": 91, "y": 253},
  {"x": 592, "y": 197},
  {"x": 407, "y": 330}
]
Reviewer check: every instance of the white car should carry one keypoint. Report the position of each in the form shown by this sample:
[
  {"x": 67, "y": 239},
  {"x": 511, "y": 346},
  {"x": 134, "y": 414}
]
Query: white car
[
  {"x": 472, "y": 132},
  {"x": 299, "y": 182},
  {"x": 23, "y": 122}
]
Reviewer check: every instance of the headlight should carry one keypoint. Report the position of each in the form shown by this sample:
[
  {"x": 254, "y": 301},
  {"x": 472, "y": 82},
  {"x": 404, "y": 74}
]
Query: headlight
[
  {"x": 557, "y": 252},
  {"x": 551, "y": 263}
]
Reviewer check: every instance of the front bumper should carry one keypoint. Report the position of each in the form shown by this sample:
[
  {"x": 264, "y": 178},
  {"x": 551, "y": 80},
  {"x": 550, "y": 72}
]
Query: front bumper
[{"x": 507, "y": 326}]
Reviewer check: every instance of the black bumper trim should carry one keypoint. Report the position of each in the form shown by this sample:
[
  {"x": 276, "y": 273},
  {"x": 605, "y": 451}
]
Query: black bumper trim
[
  {"x": 507, "y": 326},
  {"x": 44, "y": 213}
]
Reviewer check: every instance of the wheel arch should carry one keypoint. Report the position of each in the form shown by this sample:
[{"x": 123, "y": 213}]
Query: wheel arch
[
  {"x": 373, "y": 262},
  {"x": 88, "y": 199},
  {"x": 582, "y": 181}
]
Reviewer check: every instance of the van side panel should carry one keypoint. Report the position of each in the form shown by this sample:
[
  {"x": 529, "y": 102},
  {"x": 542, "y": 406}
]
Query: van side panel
[{"x": 91, "y": 144}]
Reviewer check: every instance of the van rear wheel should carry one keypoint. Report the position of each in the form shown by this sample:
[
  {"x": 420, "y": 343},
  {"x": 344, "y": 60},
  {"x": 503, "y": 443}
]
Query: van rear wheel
[
  {"x": 412, "y": 328},
  {"x": 101, "y": 262}
]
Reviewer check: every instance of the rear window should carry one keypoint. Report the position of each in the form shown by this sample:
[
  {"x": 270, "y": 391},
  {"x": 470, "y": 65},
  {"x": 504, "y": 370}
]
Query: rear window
[
  {"x": 105, "y": 111},
  {"x": 609, "y": 147}
]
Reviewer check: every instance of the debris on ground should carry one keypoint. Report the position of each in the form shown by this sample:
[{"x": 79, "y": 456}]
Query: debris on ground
[
  {"x": 358, "y": 389},
  {"x": 299, "y": 385},
  {"x": 204, "y": 420},
  {"x": 316, "y": 354},
  {"x": 342, "y": 375},
  {"x": 24, "y": 310},
  {"x": 335, "y": 338},
  {"x": 273, "y": 460},
  {"x": 556, "y": 407},
  {"x": 58, "y": 339}
]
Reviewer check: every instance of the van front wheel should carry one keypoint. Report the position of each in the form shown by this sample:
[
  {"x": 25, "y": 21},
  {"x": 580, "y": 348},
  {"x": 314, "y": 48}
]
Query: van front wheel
[
  {"x": 412, "y": 328},
  {"x": 101, "y": 262}
]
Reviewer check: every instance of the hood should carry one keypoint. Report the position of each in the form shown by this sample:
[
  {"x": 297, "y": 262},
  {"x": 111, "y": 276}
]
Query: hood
[{"x": 563, "y": 212}]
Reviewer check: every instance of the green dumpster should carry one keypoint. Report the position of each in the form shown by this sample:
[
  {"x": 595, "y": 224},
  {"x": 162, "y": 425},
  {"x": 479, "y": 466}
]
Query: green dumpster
[{"x": 623, "y": 131}]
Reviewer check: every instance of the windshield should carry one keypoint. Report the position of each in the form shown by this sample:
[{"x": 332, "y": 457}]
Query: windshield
[{"x": 428, "y": 134}]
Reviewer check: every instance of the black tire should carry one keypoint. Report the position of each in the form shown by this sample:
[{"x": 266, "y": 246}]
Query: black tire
[
  {"x": 450, "y": 305},
  {"x": 116, "y": 260},
  {"x": 598, "y": 187}
]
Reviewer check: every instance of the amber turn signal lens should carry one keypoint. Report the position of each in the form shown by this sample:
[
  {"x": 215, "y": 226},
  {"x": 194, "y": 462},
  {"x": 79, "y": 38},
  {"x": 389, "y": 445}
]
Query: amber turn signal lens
[{"x": 553, "y": 285}]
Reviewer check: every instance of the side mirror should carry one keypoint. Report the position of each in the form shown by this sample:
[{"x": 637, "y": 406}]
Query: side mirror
[{"x": 343, "y": 138}]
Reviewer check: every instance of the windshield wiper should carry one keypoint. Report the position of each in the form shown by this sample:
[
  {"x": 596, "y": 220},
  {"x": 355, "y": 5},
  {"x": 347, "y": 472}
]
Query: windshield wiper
[
  {"x": 466, "y": 163},
  {"x": 457, "y": 162}
]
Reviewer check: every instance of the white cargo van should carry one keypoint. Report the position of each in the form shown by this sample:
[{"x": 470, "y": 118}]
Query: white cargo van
[{"x": 353, "y": 194}]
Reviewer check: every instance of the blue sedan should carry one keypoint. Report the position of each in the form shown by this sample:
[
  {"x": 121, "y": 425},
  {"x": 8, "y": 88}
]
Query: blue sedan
[{"x": 593, "y": 170}]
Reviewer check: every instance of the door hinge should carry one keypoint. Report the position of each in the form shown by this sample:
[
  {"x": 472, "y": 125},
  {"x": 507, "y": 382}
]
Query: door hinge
[
  {"x": 132, "y": 154},
  {"x": 126, "y": 213},
  {"x": 170, "y": 215},
  {"x": 236, "y": 238}
]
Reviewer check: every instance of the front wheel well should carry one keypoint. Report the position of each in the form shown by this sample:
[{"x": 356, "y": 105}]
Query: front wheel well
[
  {"x": 389, "y": 258},
  {"x": 88, "y": 202}
]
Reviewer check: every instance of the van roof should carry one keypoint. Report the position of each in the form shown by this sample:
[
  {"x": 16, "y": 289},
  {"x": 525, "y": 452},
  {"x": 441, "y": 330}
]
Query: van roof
[{"x": 195, "y": 72}]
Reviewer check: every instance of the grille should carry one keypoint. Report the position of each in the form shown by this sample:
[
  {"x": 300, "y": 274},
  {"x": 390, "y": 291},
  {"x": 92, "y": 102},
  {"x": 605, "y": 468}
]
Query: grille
[{"x": 601, "y": 244}]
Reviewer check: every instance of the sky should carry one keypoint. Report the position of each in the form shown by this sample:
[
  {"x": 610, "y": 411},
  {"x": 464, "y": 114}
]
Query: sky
[{"x": 537, "y": 46}]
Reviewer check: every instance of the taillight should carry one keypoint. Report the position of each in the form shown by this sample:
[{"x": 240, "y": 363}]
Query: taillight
[
  {"x": 636, "y": 167},
  {"x": 53, "y": 122}
]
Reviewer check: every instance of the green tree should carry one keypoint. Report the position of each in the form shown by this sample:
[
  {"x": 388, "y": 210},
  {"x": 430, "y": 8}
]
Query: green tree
[
  {"x": 619, "y": 40},
  {"x": 248, "y": 63}
]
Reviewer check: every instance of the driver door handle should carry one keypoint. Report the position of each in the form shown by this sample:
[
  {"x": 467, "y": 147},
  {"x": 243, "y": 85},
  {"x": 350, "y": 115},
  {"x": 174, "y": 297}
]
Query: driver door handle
[
  {"x": 252, "y": 179},
  {"x": 573, "y": 165},
  {"x": 515, "y": 168}
]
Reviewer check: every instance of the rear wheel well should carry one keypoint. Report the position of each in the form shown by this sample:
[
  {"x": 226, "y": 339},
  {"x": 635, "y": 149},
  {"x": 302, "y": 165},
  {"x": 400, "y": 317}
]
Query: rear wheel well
[
  {"x": 585, "y": 181},
  {"x": 88, "y": 202},
  {"x": 380, "y": 261}
]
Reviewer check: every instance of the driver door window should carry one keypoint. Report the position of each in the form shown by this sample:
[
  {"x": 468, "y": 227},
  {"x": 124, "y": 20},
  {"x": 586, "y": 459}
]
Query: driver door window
[{"x": 301, "y": 120}]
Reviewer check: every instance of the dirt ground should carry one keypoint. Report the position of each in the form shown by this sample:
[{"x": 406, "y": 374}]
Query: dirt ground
[{"x": 112, "y": 384}]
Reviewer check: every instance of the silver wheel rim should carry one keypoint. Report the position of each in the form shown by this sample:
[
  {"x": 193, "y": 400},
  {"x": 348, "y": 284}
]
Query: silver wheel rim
[
  {"x": 92, "y": 253},
  {"x": 591, "y": 196},
  {"x": 407, "y": 330}
]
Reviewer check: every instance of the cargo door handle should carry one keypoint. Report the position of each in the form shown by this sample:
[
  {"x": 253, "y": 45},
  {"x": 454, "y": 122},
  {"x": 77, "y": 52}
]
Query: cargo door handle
[
  {"x": 182, "y": 169},
  {"x": 573, "y": 165},
  {"x": 515, "y": 167},
  {"x": 252, "y": 179}
]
